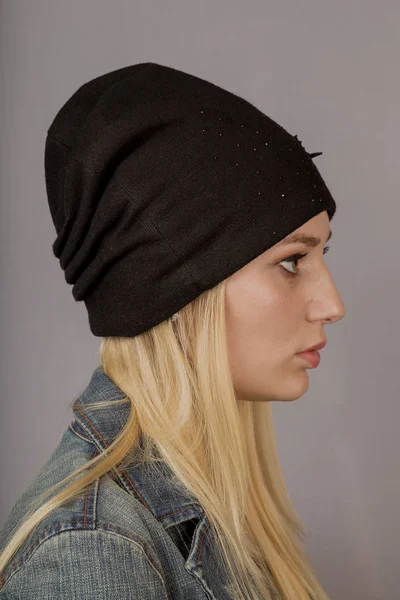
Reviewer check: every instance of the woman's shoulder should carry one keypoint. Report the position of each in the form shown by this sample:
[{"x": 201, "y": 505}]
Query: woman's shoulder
[
  {"x": 95, "y": 535},
  {"x": 72, "y": 562},
  {"x": 132, "y": 528}
]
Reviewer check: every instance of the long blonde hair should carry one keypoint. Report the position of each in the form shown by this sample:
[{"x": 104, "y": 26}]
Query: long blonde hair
[{"x": 177, "y": 381}]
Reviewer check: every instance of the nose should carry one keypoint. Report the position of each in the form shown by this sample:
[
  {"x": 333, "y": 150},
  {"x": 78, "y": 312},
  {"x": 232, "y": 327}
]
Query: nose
[
  {"x": 328, "y": 306},
  {"x": 334, "y": 303},
  {"x": 337, "y": 314}
]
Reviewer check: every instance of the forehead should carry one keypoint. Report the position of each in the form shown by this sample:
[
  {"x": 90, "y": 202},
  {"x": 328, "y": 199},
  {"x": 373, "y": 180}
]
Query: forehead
[{"x": 311, "y": 233}]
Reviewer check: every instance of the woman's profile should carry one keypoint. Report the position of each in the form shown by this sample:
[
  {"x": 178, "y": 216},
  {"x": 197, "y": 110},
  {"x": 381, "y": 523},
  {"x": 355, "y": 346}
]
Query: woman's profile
[{"x": 193, "y": 227}]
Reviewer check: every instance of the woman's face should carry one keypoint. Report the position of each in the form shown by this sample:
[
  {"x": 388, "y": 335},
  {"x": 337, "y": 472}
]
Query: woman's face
[{"x": 273, "y": 313}]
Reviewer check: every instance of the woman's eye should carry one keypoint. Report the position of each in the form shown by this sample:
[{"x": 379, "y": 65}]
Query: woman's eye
[
  {"x": 295, "y": 258},
  {"x": 292, "y": 259}
]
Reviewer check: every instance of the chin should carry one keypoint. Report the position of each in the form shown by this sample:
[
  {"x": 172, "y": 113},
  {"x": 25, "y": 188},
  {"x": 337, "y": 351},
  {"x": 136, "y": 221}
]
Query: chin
[
  {"x": 285, "y": 389},
  {"x": 294, "y": 389}
]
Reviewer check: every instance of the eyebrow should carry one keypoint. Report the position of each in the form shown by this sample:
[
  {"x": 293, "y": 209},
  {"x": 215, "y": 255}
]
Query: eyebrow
[{"x": 308, "y": 240}]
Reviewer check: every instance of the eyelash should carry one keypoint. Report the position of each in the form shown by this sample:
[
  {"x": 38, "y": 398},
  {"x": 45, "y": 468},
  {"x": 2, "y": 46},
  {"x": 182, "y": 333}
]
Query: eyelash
[{"x": 296, "y": 258}]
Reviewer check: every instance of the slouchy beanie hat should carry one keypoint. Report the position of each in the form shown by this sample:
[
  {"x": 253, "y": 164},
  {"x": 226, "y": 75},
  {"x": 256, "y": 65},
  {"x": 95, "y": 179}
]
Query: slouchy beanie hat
[{"x": 161, "y": 185}]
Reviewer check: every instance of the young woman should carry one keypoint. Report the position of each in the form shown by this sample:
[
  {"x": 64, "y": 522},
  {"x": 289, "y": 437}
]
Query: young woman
[{"x": 193, "y": 227}]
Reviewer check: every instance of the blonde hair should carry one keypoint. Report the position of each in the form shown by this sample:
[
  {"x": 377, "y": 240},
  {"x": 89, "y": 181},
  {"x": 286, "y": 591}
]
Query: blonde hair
[{"x": 177, "y": 381}]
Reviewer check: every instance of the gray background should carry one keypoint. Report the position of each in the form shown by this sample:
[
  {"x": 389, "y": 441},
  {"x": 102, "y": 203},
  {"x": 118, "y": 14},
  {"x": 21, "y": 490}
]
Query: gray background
[{"x": 328, "y": 72}]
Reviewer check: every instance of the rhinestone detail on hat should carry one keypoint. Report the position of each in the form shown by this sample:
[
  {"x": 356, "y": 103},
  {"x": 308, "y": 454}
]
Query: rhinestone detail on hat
[{"x": 311, "y": 155}]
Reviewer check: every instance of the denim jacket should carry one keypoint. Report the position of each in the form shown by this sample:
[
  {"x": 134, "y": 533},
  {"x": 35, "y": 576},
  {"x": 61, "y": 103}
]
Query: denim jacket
[{"x": 126, "y": 536}]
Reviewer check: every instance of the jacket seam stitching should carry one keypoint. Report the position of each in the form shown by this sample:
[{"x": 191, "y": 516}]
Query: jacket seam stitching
[
  {"x": 104, "y": 527},
  {"x": 106, "y": 445},
  {"x": 161, "y": 518},
  {"x": 80, "y": 434}
]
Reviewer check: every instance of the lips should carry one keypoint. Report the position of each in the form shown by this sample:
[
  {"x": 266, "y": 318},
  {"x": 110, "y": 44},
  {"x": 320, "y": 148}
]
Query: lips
[{"x": 316, "y": 347}]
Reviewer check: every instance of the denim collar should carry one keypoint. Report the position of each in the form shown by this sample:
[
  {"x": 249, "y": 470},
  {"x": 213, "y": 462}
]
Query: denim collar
[
  {"x": 165, "y": 497},
  {"x": 168, "y": 500}
]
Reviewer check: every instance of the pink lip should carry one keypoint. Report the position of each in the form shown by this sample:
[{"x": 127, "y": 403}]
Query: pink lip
[
  {"x": 313, "y": 358},
  {"x": 316, "y": 347}
]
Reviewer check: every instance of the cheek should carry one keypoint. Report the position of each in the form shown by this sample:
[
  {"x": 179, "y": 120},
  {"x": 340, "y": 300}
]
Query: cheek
[
  {"x": 262, "y": 327},
  {"x": 251, "y": 301},
  {"x": 258, "y": 329}
]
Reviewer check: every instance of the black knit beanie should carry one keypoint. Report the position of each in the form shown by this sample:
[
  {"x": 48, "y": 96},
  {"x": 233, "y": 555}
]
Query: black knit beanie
[{"x": 161, "y": 185}]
